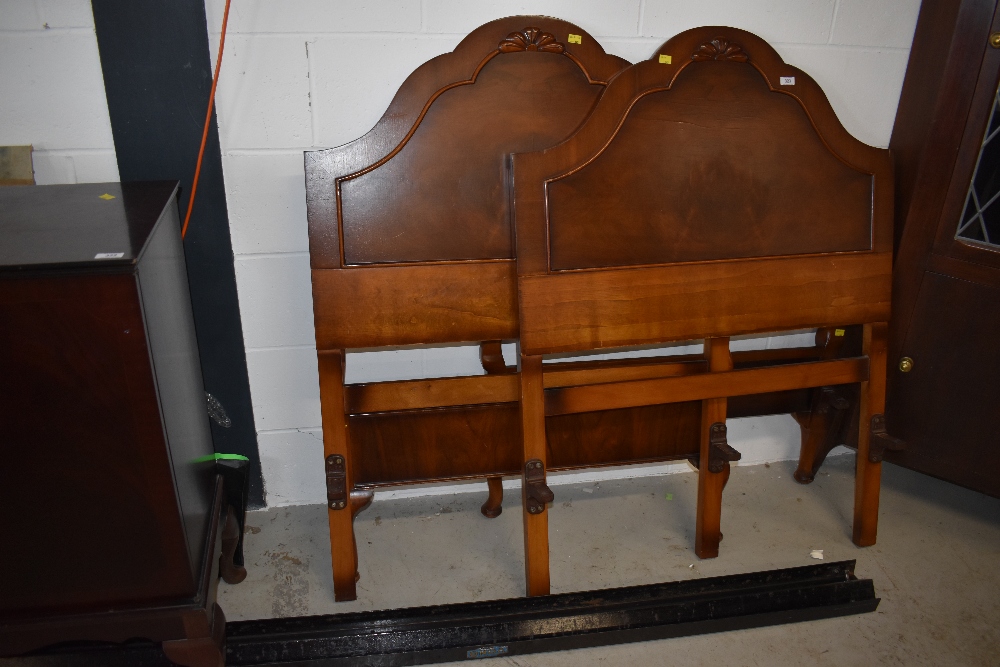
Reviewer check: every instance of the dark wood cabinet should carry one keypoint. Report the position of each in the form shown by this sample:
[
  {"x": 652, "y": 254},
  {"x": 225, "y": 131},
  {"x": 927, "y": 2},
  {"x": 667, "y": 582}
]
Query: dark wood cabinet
[
  {"x": 943, "y": 396},
  {"x": 112, "y": 502}
]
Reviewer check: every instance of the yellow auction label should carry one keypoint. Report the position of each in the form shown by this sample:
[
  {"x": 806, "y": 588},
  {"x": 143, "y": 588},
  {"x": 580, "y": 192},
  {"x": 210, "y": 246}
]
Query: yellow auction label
[
  {"x": 665, "y": 60},
  {"x": 575, "y": 39}
]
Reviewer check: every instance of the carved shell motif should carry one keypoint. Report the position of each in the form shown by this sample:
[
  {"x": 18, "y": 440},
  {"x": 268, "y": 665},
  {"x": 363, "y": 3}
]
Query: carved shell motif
[
  {"x": 531, "y": 39},
  {"x": 721, "y": 49}
]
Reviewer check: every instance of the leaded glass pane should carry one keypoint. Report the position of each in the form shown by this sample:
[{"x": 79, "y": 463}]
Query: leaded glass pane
[{"x": 981, "y": 219}]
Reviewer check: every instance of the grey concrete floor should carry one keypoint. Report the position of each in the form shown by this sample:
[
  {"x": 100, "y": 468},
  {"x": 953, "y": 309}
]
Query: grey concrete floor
[{"x": 936, "y": 566}]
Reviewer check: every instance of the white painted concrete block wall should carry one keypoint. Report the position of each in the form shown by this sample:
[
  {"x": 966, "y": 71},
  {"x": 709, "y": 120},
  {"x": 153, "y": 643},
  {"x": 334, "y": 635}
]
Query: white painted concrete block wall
[
  {"x": 304, "y": 74},
  {"x": 52, "y": 90}
]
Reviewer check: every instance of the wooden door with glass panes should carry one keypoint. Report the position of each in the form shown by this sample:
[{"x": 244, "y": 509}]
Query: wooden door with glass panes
[{"x": 944, "y": 377}]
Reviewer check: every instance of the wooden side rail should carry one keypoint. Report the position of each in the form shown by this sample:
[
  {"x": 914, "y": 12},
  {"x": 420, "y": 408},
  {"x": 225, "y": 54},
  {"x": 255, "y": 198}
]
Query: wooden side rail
[
  {"x": 433, "y": 393},
  {"x": 376, "y": 397},
  {"x": 570, "y": 400}
]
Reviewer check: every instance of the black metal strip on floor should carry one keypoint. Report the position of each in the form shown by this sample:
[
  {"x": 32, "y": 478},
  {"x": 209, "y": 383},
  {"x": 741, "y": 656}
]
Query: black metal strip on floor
[{"x": 456, "y": 632}]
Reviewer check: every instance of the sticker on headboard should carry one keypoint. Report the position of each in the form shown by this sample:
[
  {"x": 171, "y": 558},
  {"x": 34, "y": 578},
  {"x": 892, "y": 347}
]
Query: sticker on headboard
[
  {"x": 665, "y": 60},
  {"x": 109, "y": 255},
  {"x": 575, "y": 39},
  {"x": 788, "y": 81}
]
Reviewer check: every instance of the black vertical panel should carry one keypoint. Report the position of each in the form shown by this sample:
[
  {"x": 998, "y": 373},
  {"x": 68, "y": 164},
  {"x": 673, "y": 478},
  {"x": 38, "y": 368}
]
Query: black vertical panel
[{"x": 157, "y": 76}]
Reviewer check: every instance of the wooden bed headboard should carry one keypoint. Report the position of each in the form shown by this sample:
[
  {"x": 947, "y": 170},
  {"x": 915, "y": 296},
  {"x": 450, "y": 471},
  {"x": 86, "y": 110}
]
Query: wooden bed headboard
[
  {"x": 423, "y": 197},
  {"x": 694, "y": 197},
  {"x": 712, "y": 192}
]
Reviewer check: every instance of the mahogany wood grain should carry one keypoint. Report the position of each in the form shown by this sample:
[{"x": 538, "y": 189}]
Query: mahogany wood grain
[
  {"x": 432, "y": 393},
  {"x": 596, "y": 309},
  {"x": 703, "y": 386},
  {"x": 536, "y": 526},
  {"x": 404, "y": 305},
  {"x": 708, "y": 527},
  {"x": 867, "y": 476},
  {"x": 343, "y": 549}
]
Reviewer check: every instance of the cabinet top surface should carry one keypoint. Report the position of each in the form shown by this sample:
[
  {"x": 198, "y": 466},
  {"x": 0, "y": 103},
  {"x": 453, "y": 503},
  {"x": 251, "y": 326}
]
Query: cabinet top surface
[{"x": 89, "y": 225}]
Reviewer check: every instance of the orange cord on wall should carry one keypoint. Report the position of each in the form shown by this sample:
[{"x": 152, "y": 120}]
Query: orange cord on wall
[{"x": 208, "y": 120}]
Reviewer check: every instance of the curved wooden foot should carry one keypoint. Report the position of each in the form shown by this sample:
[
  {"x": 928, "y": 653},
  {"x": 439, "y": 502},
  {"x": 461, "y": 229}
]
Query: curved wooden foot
[
  {"x": 821, "y": 425},
  {"x": 230, "y": 572},
  {"x": 493, "y": 506},
  {"x": 360, "y": 500},
  {"x": 820, "y": 428},
  {"x": 205, "y": 644},
  {"x": 491, "y": 356}
]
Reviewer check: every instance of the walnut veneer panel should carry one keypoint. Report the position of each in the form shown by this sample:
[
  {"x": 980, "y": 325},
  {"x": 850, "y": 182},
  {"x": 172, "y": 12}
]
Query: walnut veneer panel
[
  {"x": 444, "y": 195},
  {"x": 717, "y": 167}
]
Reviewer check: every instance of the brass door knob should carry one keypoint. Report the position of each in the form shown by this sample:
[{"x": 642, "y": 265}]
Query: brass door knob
[
  {"x": 906, "y": 364},
  {"x": 995, "y": 40}
]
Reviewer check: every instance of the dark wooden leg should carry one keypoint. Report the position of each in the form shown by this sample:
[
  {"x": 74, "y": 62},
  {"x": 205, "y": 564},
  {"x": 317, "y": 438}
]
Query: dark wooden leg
[
  {"x": 230, "y": 572},
  {"x": 493, "y": 506},
  {"x": 491, "y": 356},
  {"x": 710, "y": 484},
  {"x": 867, "y": 476},
  {"x": 536, "y": 526},
  {"x": 816, "y": 425},
  {"x": 820, "y": 428},
  {"x": 205, "y": 641},
  {"x": 343, "y": 549}
]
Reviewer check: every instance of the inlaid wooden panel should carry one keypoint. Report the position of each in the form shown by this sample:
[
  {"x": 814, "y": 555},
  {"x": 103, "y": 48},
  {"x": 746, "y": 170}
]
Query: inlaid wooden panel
[{"x": 716, "y": 167}]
